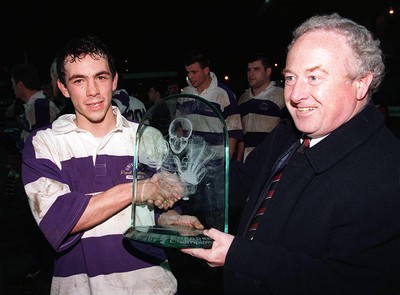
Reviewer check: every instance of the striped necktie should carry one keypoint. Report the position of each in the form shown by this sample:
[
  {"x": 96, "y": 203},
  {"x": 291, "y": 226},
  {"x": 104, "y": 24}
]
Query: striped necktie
[
  {"x": 273, "y": 183},
  {"x": 306, "y": 144}
]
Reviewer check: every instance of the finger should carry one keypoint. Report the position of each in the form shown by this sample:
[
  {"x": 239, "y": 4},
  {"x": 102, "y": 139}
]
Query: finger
[
  {"x": 197, "y": 224},
  {"x": 158, "y": 203},
  {"x": 213, "y": 233},
  {"x": 168, "y": 203},
  {"x": 171, "y": 202},
  {"x": 171, "y": 193}
]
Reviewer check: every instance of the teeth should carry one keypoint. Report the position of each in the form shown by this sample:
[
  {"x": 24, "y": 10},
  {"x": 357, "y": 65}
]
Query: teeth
[{"x": 304, "y": 110}]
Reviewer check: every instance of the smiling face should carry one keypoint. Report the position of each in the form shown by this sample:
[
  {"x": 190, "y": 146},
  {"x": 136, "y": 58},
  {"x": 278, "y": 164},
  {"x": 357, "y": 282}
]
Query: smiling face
[
  {"x": 89, "y": 84},
  {"x": 320, "y": 91}
]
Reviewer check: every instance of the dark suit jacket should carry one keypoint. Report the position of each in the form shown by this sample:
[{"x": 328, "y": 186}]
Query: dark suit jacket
[{"x": 333, "y": 225}]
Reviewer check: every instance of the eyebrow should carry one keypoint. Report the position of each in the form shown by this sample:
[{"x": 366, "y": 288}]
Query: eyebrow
[
  {"x": 77, "y": 76},
  {"x": 310, "y": 70},
  {"x": 317, "y": 68}
]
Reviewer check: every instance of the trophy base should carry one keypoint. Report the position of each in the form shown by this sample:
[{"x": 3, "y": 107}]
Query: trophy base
[{"x": 169, "y": 236}]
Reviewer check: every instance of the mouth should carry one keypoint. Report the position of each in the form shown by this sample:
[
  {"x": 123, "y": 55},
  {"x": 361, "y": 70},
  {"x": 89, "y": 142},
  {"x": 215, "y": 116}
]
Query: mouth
[
  {"x": 306, "y": 110},
  {"x": 94, "y": 104}
]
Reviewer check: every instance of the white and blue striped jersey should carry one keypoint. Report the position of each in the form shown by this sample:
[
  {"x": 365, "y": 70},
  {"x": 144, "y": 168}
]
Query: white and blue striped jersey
[
  {"x": 130, "y": 107},
  {"x": 205, "y": 123},
  {"x": 63, "y": 167},
  {"x": 260, "y": 114},
  {"x": 39, "y": 111}
]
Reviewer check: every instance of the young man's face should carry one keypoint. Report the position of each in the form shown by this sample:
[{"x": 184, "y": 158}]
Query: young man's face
[{"x": 89, "y": 84}]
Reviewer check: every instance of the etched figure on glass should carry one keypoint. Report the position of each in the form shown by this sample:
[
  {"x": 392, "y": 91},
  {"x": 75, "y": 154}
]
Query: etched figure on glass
[
  {"x": 190, "y": 154},
  {"x": 194, "y": 149}
]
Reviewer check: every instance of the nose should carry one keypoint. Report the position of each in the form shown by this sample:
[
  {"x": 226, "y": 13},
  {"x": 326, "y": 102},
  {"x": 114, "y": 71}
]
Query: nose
[
  {"x": 296, "y": 91},
  {"x": 92, "y": 89}
]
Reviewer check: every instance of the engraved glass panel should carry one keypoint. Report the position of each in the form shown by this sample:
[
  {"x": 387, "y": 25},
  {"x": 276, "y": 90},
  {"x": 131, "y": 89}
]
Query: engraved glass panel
[{"x": 185, "y": 135}]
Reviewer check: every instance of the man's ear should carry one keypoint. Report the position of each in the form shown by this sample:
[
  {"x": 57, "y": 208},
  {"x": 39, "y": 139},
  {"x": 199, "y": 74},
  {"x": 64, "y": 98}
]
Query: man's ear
[
  {"x": 363, "y": 86},
  {"x": 63, "y": 89},
  {"x": 115, "y": 81}
]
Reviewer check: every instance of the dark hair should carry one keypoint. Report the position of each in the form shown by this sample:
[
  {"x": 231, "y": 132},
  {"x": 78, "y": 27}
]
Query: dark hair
[
  {"x": 27, "y": 74},
  {"x": 78, "y": 48},
  {"x": 259, "y": 57},
  {"x": 197, "y": 56}
]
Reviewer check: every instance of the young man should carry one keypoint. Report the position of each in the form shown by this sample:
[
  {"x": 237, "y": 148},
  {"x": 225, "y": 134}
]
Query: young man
[
  {"x": 204, "y": 83},
  {"x": 77, "y": 174},
  {"x": 332, "y": 225},
  {"x": 261, "y": 105}
]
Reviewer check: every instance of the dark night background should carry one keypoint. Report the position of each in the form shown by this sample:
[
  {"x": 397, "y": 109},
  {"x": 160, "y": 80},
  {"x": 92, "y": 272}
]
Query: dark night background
[{"x": 153, "y": 36}]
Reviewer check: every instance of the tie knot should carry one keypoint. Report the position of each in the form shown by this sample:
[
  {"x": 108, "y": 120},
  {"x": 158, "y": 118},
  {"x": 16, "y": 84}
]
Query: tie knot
[{"x": 306, "y": 142}]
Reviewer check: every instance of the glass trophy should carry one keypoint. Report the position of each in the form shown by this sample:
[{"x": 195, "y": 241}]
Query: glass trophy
[{"x": 184, "y": 135}]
